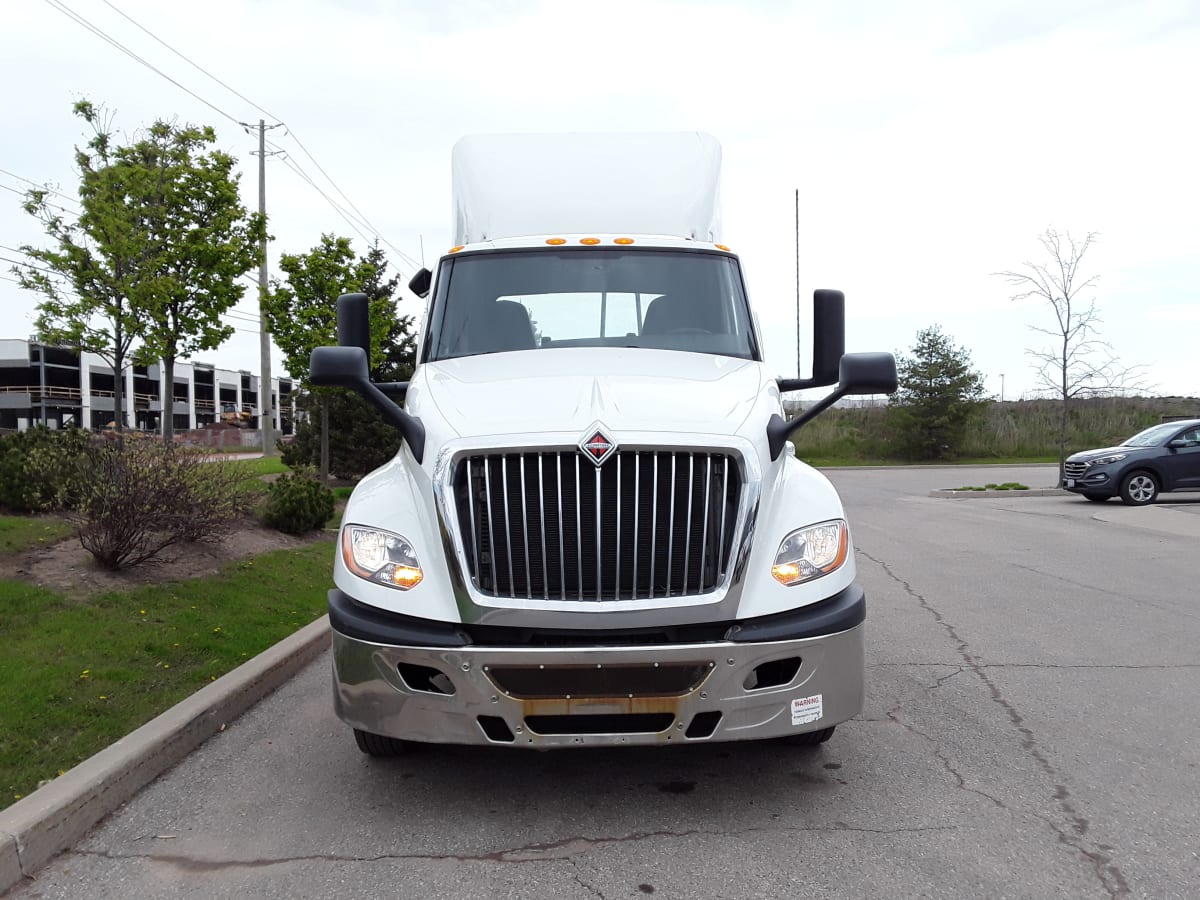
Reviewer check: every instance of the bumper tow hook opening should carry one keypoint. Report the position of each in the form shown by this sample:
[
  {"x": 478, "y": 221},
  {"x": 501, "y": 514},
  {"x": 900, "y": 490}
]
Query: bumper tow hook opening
[
  {"x": 425, "y": 679},
  {"x": 775, "y": 673},
  {"x": 496, "y": 729},
  {"x": 703, "y": 725}
]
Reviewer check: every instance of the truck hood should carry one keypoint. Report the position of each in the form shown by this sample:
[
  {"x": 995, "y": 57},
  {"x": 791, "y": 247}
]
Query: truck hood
[{"x": 569, "y": 389}]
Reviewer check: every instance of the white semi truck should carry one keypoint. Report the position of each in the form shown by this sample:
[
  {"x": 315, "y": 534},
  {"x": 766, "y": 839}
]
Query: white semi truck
[{"x": 595, "y": 531}]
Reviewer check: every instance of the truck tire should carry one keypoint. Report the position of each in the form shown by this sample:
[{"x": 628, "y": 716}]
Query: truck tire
[
  {"x": 809, "y": 738},
  {"x": 377, "y": 744}
]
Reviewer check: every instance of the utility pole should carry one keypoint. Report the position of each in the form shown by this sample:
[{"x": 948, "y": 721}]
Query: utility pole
[
  {"x": 798, "y": 283},
  {"x": 266, "y": 398}
]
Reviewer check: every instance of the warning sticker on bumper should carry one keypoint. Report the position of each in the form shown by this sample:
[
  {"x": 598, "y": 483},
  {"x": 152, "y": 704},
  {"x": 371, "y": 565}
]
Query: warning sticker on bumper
[{"x": 806, "y": 709}]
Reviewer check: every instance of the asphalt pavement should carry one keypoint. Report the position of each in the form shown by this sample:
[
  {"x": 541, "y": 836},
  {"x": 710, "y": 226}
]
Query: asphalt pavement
[{"x": 1031, "y": 730}]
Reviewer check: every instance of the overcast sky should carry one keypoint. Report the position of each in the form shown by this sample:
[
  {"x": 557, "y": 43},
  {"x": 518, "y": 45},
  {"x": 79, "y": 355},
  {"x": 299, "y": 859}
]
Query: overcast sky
[{"x": 931, "y": 142}]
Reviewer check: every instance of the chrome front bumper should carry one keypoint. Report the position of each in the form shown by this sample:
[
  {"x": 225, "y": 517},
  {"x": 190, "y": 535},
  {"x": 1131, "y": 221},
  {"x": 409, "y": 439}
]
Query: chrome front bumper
[{"x": 537, "y": 697}]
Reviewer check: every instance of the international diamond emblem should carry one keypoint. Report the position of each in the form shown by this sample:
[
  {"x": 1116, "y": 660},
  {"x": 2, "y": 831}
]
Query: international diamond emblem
[{"x": 597, "y": 445}]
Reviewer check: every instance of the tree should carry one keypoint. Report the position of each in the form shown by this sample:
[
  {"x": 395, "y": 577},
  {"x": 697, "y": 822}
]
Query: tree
[
  {"x": 202, "y": 240},
  {"x": 302, "y": 315},
  {"x": 1078, "y": 364},
  {"x": 91, "y": 280},
  {"x": 153, "y": 256},
  {"x": 939, "y": 396}
]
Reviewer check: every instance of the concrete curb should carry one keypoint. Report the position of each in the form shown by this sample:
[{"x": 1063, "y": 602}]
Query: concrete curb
[
  {"x": 991, "y": 495},
  {"x": 55, "y": 816}
]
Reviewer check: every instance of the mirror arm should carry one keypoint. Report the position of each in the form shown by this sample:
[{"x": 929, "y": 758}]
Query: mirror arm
[
  {"x": 410, "y": 428},
  {"x": 780, "y": 429},
  {"x": 393, "y": 388}
]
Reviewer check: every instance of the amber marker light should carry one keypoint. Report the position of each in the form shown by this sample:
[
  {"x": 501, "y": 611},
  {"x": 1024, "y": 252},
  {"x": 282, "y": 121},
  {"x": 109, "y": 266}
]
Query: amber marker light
[
  {"x": 406, "y": 576},
  {"x": 456, "y": 249},
  {"x": 786, "y": 573},
  {"x": 722, "y": 247},
  {"x": 556, "y": 242},
  {"x": 591, "y": 242},
  {"x": 623, "y": 241}
]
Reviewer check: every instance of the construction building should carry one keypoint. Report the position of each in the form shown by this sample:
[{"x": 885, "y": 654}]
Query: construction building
[{"x": 59, "y": 387}]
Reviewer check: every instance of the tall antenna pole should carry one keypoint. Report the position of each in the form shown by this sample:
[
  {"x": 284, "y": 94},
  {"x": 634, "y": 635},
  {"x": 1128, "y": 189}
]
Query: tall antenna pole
[
  {"x": 266, "y": 396},
  {"x": 797, "y": 282}
]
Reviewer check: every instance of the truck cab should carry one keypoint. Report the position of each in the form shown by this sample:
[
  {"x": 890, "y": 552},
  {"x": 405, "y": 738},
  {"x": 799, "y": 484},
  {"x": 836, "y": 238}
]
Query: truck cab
[{"x": 595, "y": 531}]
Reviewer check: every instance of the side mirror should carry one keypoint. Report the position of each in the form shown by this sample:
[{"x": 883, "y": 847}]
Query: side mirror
[
  {"x": 858, "y": 373},
  {"x": 354, "y": 321},
  {"x": 829, "y": 342},
  {"x": 346, "y": 367},
  {"x": 867, "y": 373},
  {"x": 419, "y": 283},
  {"x": 1177, "y": 443}
]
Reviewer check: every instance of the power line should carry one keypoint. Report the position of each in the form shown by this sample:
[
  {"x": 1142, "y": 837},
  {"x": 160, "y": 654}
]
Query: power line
[
  {"x": 190, "y": 62},
  {"x": 67, "y": 11},
  {"x": 74, "y": 16},
  {"x": 352, "y": 221},
  {"x": 67, "y": 198}
]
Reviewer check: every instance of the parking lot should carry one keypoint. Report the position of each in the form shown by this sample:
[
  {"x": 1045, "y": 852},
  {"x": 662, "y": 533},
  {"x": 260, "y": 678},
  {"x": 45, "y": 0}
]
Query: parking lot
[{"x": 1032, "y": 729}]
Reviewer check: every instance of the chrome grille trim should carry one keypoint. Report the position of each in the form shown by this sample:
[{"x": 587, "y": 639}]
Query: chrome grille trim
[
  {"x": 606, "y": 558},
  {"x": 1075, "y": 469}
]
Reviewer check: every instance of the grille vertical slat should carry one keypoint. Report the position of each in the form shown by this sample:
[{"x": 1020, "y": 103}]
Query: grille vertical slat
[
  {"x": 578, "y": 530},
  {"x": 512, "y": 586},
  {"x": 542, "y": 519},
  {"x": 686, "y": 552},
  {"x": 654, "y": 527},
  {"x": 687, "y": 541}
]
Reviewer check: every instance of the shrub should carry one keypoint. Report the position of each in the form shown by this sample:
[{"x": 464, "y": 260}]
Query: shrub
[
  {"x": 39, "y": 469},
  {"x": 298, "y": 503},
  {"x": 141, "y": 498}
]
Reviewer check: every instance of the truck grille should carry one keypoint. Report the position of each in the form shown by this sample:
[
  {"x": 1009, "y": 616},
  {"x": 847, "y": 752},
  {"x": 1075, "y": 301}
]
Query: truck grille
[
  {"x": 1075, "y": 469},
  {"x": 551, "y": 525}
]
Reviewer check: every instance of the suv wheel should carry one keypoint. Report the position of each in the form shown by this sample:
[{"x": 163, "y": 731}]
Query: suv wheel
[{"x": 1139, "y": 488}]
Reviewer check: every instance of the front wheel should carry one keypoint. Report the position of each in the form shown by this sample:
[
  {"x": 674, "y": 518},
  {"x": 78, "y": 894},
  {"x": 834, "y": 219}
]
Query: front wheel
[
  {"x": 378, "y": 744},
  {"x": 1097, "y": 498},
  {"x": 809, "y": 738},
  {"x": 1139, "y": 489}
]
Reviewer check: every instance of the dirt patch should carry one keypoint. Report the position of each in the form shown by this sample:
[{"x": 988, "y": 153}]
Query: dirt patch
[{"x": 67, "y": 568}]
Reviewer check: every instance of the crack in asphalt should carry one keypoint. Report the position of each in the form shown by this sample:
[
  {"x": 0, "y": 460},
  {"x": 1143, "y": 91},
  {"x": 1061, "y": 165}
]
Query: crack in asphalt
[
  {"x": 562, "y": 849},
  {"x": 960, "y": 781},
  {"x": 1107, "y": 872},
  {"x": 579, "y": 879}
]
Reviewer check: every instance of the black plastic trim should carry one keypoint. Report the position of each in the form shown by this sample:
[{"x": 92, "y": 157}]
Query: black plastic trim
[
  {"x": 841, "y": 612},
  {"x": 365, "y": 623}
]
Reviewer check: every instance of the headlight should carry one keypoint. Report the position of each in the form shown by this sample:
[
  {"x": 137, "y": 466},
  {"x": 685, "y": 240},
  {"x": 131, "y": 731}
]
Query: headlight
[
  {"x": 811, "y": 552},
  {"x": 1105, "y": 460},
  {"x": 381, "y": 557}
]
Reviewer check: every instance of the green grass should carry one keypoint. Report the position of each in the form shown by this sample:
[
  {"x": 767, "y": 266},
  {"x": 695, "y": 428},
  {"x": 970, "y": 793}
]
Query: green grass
[
  {"x": 263, "y": 465},
  {"x": 19, "y": 533},
  {"x": 992, "y": 486},
  {"x": 342, "y": 493},
  {"x": 74, "y": 677}
]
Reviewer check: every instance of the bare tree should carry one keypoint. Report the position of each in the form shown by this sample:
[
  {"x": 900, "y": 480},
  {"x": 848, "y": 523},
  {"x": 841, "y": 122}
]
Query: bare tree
[{"x": 1078, "y": 363}]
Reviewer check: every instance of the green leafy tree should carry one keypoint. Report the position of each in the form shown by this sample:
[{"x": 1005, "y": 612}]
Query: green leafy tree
[
  {"x": 153, "y": 256},
  {"x": 939, "y": 396},
  {"x": 302, "y": 315},
  {"x": 202, "y": 240},
  {"x": 91, "y": 280}
]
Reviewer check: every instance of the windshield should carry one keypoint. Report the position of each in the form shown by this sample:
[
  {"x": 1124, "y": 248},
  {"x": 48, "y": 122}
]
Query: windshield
[
  {"x": 552, "y": 299},
  {"x": 1152, "y": 437}
]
